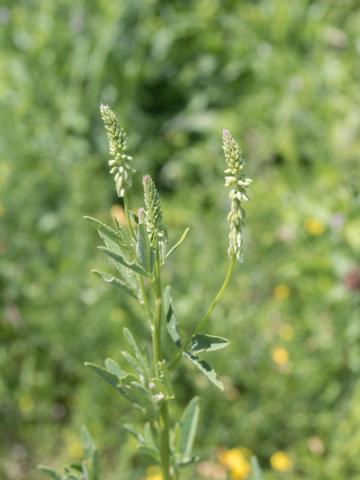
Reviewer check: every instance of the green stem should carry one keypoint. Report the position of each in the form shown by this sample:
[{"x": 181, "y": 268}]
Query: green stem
[
  {"x": 127, "y": 213},
  {"x": 164, "y": 423},
  {"x": 218, "y": 296},
  {"x": 207, "y": 315}
]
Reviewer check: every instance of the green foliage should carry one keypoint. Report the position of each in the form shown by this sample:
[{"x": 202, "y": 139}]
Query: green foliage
[
  {"x": 187, "y": 430},
  {"x": 88, "y": 469}
]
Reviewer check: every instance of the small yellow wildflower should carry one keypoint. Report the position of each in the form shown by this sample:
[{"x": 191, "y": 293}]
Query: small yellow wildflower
[
  {"x": 118, "y": 212},
  {"x": 281, "y": 292},
  {"x": 26, "y": 404},
  {"x": 281, "y": 461},
  {"x": 237, "y": 461},
  {"x": 156, "y": 476},
  {"x": 280, "y": 356},
  {"x": 314, "y": 226},
  {"x": 286, "y": 332},
  {"x": 153, "y": 473},
  {"x": 75, "y": 449}
]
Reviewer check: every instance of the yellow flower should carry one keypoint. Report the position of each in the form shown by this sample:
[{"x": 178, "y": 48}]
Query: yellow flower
[
  {"x": 75, "y": 449},
  {"x": 281, "y": 292},
  {"x": 280, "y": 356},
  {"x": 314, "y": 226},
  {"x": 286, "y": 332},
  {"x": 26, "y": 404},
  {"x": 281, "y": 461},
  {"x": 237, "y": 461},
  {"x": 153, "y": 473}
]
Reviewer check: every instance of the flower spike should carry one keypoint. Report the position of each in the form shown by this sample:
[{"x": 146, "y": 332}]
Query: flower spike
[
  {"x": 119, "y": 163},
  {"x": 238, "y": 183}
]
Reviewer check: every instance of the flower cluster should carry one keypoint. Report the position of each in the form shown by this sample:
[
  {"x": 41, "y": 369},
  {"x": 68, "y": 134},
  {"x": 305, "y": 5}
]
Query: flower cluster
[
  {"x": 153, "y": 212},
  {"x": 238, "y": 184},
  {"x": 120, "y": 166}
]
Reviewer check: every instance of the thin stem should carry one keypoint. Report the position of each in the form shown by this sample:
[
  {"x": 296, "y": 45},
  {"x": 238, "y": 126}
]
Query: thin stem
[
  {"x": 145, "y": 297},
  {"x": 127, "y": 213},
  {"x": 213, "y": 304},
  {"x": 164, "y": 423},
  {"x": 218, "y": 296}
]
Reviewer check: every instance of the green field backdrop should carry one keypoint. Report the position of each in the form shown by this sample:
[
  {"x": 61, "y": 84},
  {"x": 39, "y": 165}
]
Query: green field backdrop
[{"x": 283, "y": 76}]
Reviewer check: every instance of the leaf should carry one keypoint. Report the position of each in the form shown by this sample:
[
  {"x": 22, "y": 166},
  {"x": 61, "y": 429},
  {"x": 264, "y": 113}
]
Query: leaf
[
  {"x": 190, "y": 461},
  {"x": 178, "y": 243},
  {"x": 109, "y": 377},
  {"x": 187, "y": 429},
  {"x": 146, "y": 440},
  {"x": 128, "y": 386},
  {"x": 138, "y": 355},
  {"x": 207, "y": 343},
  {"x": 50, "y": 472},
  {"x": 205, "y": 368},
  {"x": 135, "y": 433},
  {"x": 171, "y": 321},
  {"x": 105, "y": 230},
  {"x": 144, "y": 252},
  {"x": 133, "y": 363},
  {"x": 120, "y": 259},
  {"x": 256, "y": 473},
  {"x": 91, "y": 456},
  {"x": 108, "y": 278},
  {"x": 114, "y": 368},
  {"x": 149, "y": 452},
  {"x": 138, "y": 395},
  {"x": 149, "y": 441}
]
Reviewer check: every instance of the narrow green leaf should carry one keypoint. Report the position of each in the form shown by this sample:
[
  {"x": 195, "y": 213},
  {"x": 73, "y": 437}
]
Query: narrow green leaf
[
  {"x": 144, "y": 251},
  {"x": 135, "y": 433},
  {"x": 76, "y": 466},
  {"x": 188, "y": 426},
  {"x": 207, "y": 343},
  {"x": 50, "y": 472},
  {"x": 149, "y": 438},
  {"x": 114, "y": 368},
  {"x": 109, "y": 377},
  {"x": 178, "y": 243},
  {"x": 171, "y": 321},
  {"x": 138, "y": 355},
  {"x": 120, "y": 259},
  {"x": 150, "y": 453},
  {"x": 138, "y": 395},
  {"x": 205, "y": 368},
  {"x": 108, "y": 278},
  {"x": 256, "y": 473},
  {"x": 190, "y": 461},
  {"x": 132, "y": 362},
  {"x": 105, "y": 230}
]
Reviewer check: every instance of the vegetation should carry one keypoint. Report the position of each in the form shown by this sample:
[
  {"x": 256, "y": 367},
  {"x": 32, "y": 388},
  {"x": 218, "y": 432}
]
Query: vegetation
[{"x": 283, "y": 77}]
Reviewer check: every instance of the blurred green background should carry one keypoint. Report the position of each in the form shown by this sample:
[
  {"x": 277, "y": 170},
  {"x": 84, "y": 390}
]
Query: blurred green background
[{"x": 284, "y": 78}]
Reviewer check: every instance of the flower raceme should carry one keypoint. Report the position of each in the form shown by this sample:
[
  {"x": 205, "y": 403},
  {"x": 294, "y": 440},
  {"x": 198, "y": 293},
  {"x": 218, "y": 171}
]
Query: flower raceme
[
  {"x": 153, "y": 214},
  {"x": 238, "y": 183},
  {"x": 120, "y": 161}
]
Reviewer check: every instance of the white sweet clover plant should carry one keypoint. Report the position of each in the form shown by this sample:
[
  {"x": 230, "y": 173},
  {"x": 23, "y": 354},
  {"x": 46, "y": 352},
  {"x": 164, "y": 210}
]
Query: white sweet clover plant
[{"x": 138, "y": 253}]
